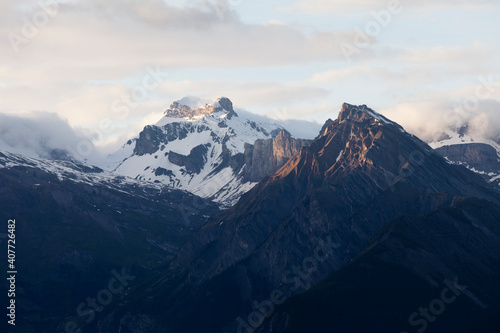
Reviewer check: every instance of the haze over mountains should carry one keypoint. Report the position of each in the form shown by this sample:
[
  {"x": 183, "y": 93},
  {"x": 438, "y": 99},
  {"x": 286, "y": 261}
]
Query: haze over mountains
[{"x": 354, "y": 230}]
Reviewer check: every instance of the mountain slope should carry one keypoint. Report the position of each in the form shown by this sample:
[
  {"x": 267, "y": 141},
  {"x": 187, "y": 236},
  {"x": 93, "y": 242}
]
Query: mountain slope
[
  {"x": 362, "y": 172},
  {"x": 209, "y": 151},
  {"x": 415, "y": 263},
  {"x": 359, "y": 158},
  {"x": 75, "y": 224}
]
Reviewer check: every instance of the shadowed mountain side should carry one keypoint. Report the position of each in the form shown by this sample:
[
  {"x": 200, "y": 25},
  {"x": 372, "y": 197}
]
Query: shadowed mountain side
[
  {"x": 412, "y": 265},
  {"x": 71, "y": 233}
]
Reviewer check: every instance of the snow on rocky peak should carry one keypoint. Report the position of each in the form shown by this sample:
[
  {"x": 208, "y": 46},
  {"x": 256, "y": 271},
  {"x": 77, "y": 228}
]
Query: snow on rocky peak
[
  {"x": 361, "y": 112},
  {"x": 476, "y": 153},
  {"x": 198, "y": 149},
  {"x": 222, "y": 108},
  {"x": 461, "y": 136}
]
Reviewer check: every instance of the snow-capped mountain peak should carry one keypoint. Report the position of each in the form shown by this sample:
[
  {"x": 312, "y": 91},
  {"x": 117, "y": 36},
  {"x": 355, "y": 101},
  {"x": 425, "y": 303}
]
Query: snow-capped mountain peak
[
  {"x": 205, "y": 150},
  {"x": 190, "y": 109}
]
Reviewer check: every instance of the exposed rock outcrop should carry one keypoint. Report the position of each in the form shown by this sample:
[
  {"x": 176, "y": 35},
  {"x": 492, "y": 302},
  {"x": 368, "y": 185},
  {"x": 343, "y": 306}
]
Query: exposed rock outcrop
[
  {"x": 480, "y": 156},
  {"x": 267, "y": 156},
  {"x": 194, "y": 162},
  {"x": 223, "y": 104},
  {"x": 149, "y": 140}
]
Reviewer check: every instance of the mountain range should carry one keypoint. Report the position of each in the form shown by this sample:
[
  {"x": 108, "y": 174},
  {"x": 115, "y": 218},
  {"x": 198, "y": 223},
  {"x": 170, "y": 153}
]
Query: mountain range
[{"x": 231, "y": 225}]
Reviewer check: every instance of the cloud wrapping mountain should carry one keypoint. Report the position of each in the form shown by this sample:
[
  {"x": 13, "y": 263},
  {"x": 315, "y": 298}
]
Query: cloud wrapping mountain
[
  {"x": 45, "y": 135},
  {"x": 430, "y": 120}
]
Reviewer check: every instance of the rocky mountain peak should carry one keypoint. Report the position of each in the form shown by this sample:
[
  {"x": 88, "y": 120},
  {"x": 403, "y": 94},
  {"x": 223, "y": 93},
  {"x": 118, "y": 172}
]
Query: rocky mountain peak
[
  {"x": 283, "y": 134},
  {"x": 224, "y": 103},
  {"x": 359, "y": 116},
  {"x": 206, "y": 149},
  {"x": 359, "y": 139},
  {"x": 360, "y": 113},
  {"x": 179, "y": 110},
  {"x": 353, "y": 112}
]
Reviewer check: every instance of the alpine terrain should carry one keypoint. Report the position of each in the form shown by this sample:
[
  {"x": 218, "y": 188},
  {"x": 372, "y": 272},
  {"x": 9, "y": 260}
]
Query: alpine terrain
[
  {"x": 362, "y": 230},
  {"x": 212, "y": 222}
]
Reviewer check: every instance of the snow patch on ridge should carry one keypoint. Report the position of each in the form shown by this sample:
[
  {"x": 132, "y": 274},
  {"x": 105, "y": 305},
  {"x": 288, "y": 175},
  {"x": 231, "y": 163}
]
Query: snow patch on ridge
[
  {"x": 340, "y": 155},
  {"x": 454, "y": 138}
]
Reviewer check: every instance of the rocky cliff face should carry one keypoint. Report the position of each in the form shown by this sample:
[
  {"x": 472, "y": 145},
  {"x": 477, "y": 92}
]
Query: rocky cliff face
[
  {"x": 265, "y": 157},
  {"x": 477, "y": 155},
  {"x": 193, "y": 162},
  {"x": 482, "y": 158},
  {"x": 153, "y": 138},
  {"x": 329, "y": 201}
]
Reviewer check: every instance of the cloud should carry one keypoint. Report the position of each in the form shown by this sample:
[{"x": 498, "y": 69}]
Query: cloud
[
  {"x": 411, "y": 72},
  {"x": 251, "y": 95},
  {"x": 303, "y": 129},
  {"x": 322, "y": 7},
  {"x": 95, "y": 38},
  {"x": 457, "y": 54},
  {"x": 92, "y": 53},
  {"x": 194, "y": 14},
  {"x": 430, "y": 119},
  {"x": 39, "y": 134},
  {"x": 276, "y": 94}
]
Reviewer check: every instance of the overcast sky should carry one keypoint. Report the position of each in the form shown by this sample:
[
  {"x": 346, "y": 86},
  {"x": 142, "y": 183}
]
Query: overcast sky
[{"x": 109, "y": 67}]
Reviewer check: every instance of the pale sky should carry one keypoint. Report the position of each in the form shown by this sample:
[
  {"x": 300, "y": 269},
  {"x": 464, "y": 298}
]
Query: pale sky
[{"x": 109, "y": 67}]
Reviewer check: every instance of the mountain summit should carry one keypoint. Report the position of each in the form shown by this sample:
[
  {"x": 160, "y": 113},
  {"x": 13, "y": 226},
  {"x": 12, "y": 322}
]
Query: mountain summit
[
  {"x": 362, "y": 113},
  {"x": 221, "y": 105},
  {"x": 207, "y": 150}
]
